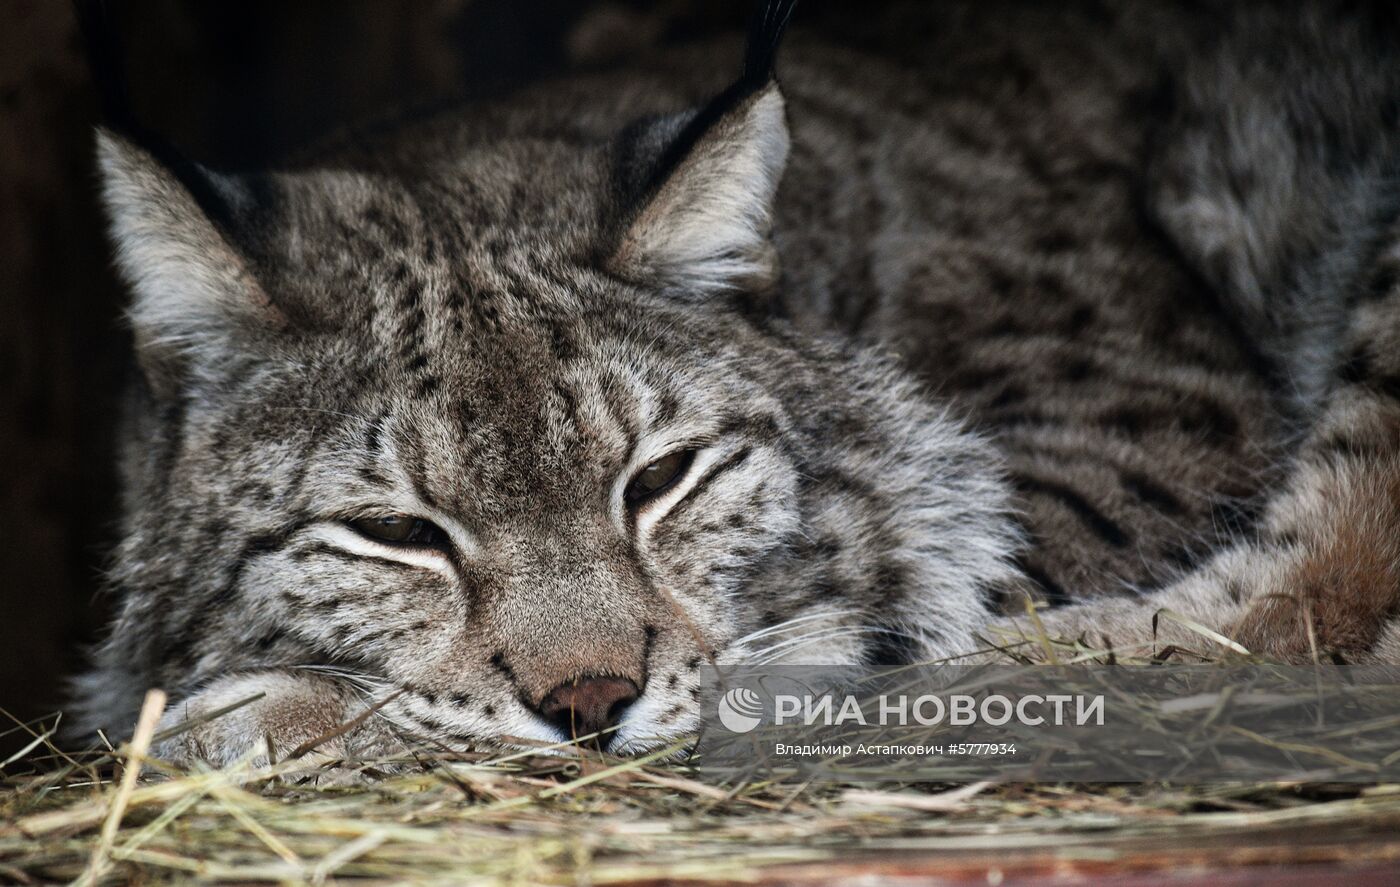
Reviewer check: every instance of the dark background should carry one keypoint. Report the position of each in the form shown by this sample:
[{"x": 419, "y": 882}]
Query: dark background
[{"x": 234, "y": 85}]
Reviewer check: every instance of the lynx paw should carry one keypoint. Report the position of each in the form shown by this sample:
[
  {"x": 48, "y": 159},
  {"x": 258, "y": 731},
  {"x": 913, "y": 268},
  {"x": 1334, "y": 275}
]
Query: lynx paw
[{"x": 286, "y": 716}]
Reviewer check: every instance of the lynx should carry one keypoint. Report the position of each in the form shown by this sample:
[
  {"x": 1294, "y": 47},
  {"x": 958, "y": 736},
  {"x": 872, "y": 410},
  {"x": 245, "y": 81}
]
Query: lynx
[{"x": 513, "y": 420}]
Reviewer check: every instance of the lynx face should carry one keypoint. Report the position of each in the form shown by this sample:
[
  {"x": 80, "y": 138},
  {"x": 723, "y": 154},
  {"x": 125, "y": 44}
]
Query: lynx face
[{"x": 513, "y": 438}]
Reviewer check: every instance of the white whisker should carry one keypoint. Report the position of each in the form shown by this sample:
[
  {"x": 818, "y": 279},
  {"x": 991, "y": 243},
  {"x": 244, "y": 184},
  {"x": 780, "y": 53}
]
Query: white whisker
[{"x": 783, "y": 626}]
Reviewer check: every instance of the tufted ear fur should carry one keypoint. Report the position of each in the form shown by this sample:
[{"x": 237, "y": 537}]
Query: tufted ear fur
[
  {"x": 705, "y": 226},
  {"x": 702, "y": 185},
  {"x": 192, "y": 292}
]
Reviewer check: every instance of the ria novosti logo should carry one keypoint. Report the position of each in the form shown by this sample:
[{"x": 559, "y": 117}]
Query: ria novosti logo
[{"x": 740, "y": 710}]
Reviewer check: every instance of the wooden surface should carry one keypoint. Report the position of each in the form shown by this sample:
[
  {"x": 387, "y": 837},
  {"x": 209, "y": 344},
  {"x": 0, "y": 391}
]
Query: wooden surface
[
  {"x": 233, "y": 84},
  {"x": 60, "y": 357},
  {"x": 1357, "y": 855}
]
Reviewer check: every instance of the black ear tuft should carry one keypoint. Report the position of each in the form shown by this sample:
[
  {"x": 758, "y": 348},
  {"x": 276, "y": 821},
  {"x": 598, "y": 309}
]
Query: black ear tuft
[
  {"x": 98, "y": 21},
  {"x": 766, "y": 29},
  {"x": 102, "y": 44},
  {"x": 195, "y": 299},
  {"x": 699, "y": 187}
]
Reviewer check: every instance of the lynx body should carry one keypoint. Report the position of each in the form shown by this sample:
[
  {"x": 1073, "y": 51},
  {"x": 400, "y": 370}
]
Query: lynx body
[{"x": 517, "y": 417}]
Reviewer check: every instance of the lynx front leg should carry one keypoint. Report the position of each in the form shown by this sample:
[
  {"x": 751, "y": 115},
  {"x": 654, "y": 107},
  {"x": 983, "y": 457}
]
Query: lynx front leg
[
  {"x": 1339, "y": 532},
  {"x": 1338, "y": 523},
  {"x": 292, "y": 710},
  {"x": 1214, "y": 595},
  {"x": 1321, "y": 576}
]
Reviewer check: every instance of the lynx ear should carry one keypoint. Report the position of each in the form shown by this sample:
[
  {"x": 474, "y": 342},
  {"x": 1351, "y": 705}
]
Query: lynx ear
[
  {"x": 703, "y": 224},
  {"x": 192, "y": 293},
  {"x": 702, "y": 185}
]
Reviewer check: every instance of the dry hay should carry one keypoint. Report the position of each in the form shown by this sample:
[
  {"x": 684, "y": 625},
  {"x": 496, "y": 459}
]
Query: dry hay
[{"x": 535, "y": 817}]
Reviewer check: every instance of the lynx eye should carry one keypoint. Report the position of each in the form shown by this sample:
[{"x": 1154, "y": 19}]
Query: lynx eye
[
  {"x": 658, "y": 477},
  {"x": 400, "y": 529}
]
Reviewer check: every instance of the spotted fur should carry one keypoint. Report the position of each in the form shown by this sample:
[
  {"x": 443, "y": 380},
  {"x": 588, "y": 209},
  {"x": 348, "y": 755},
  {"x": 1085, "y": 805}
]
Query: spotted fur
[
  {"x": 938, "y": 316},
  {"x": 1285, "y": 193}
]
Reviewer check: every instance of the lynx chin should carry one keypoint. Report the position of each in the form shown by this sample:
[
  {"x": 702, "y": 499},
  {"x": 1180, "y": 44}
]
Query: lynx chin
[{"x": 522, "y": 416}]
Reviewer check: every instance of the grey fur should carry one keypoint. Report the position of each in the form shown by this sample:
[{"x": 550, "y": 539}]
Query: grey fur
[{"x": 953, "y": 360}]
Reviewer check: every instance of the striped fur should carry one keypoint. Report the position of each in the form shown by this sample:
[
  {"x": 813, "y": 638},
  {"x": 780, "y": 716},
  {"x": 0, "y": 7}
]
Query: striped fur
[
  {"x": 1006, "y": 327},
  {"x": 1279, "y": 177}
]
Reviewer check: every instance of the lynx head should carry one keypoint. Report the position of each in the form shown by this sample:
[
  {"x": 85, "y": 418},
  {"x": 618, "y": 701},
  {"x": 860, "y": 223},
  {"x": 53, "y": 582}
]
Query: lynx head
[{"x": 510, "y": 430}]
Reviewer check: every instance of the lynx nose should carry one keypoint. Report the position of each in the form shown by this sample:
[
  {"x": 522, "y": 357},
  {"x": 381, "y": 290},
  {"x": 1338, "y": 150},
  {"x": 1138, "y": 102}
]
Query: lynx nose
[{"x": 589, "y": 704}]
